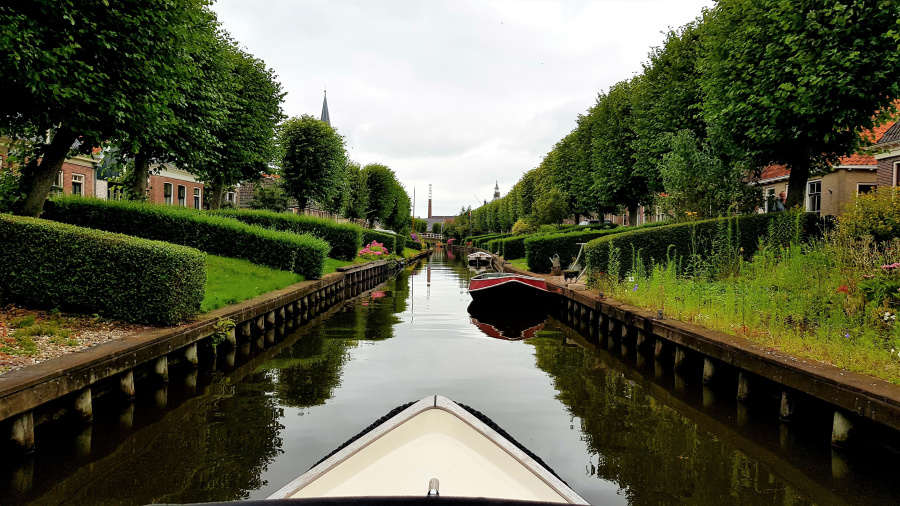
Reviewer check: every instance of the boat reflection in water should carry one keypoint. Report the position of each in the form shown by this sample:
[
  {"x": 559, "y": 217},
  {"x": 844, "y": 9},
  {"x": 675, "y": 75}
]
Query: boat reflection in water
[{"x": 508, "y": 324}]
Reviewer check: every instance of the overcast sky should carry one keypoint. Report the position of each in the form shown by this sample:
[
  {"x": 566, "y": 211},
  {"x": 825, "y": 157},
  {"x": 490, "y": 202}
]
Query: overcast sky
[{"x": 457, "y": 94}]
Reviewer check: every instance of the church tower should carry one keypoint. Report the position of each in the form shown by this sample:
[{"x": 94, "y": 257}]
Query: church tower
[
  {"x": 496, "y": 191},
  {"x": 325, "y": 116}
]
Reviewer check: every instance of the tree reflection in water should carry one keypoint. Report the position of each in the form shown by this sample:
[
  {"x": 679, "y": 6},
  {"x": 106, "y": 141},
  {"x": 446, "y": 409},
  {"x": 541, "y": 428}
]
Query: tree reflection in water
[{"x": 654, "y": 454}]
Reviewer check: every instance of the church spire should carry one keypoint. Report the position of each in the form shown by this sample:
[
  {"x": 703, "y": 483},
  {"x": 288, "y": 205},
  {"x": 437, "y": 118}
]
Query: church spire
[
  {"x": 325, "y": 116},
  {"x": 496, "y": 190}
]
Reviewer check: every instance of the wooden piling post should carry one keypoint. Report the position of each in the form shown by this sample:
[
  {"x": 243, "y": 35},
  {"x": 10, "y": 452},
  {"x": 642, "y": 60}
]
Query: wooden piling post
[
  {"x": 680, "y": 357},
  {"x": 270, "y": 319},
  {"x": 787, "y": 406},
  {"x": 743, "y": 389},
  {"x": 126, "y": 384},
  {"x": 84, "y": 407},
  {"x": 161, "y": 368},
  {"x": 261, "y": 324},
  {"x": 190, "y": 354},
  {"x": 658, "y": 348},
  {"x": 709, "y": 370},
  {"x": 245, "y": 330},
  {"x": 841, "y": 427},
  {"x": 22, "y": 432},
  {"x": 231, "y": 337}
]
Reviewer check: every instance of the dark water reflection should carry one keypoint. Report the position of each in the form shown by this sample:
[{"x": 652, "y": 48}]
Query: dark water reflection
[{"x": 617, "y": 432}]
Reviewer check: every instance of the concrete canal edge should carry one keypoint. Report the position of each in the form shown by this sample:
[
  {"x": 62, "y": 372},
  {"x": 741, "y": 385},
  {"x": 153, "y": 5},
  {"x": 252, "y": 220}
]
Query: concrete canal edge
[
  {"x": 68, "y": 385},
  {"x": 854, "y": 397}
]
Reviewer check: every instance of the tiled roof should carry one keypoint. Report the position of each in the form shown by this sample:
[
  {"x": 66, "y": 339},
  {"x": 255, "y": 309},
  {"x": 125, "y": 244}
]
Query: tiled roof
[
  {"x": 774, "y": 171},
  {"x": 891, "y": 134}
]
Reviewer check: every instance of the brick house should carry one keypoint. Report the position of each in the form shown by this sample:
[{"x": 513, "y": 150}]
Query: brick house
[
  {"x": 826, "y": 193},
  {"x": 171, "y": 185},
  {"x": 887, "y": 155},
  {"x": 76, "y": 177}
]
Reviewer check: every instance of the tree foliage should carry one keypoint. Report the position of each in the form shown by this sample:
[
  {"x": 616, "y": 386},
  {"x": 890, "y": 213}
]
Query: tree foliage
[
  {"x": 313, "y": 160},
  {"x": 796, "y": 82},
  {"x": 77, "y": 74}
]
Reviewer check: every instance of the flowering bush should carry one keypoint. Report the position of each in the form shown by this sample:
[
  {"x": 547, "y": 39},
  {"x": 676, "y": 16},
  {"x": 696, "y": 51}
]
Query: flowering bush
[
  {"x": 415, "y": 236},
  {"x": 374, "y": 251},
  {"x": 451, "y": 240}
]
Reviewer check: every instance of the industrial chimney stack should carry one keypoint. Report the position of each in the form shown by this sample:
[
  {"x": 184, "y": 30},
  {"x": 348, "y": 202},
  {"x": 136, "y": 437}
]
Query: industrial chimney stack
[{"x": 429, "y": 201}]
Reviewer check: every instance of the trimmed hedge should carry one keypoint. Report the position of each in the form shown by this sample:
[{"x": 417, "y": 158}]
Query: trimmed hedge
[
  {"x": 479, "y": 241},
  {"x": 699, "y": 237},
  {"x": 539, "y": 249},
  {"x": 513, "y": 247},
  {"x": 389, "y": 240},
  {"x": 48, "y": 264},
  {"x": 303, "y": 254},
  {"x": 418, "y": 246},
  {"x": 345, "y": 238}
]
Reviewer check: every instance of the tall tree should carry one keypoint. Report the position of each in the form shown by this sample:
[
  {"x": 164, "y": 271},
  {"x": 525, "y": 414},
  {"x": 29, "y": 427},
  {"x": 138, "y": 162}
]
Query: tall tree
[
  {"x": 313, "y": 159},
  {"x": 667, "y": 99},
  {"x": 245, "y": 146},
  {"x": 616, "y": 182},
  {"x": 795, "y": 82},
  {"x": 381, "y": 185},
  {"x": 357, "y": 198},
  {"x": 77, "y": 73},
  {"x": 186, "y": 137}
]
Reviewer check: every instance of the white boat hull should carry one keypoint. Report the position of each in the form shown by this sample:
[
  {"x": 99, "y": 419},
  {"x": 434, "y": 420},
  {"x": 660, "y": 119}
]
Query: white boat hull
[{"x": 433, "y": 438}]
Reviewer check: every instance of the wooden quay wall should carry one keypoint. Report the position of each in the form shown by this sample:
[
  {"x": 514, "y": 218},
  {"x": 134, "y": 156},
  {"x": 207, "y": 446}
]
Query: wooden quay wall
[
  {"x": 68, "y": 385},
  {"x": 850, "y": 399}
]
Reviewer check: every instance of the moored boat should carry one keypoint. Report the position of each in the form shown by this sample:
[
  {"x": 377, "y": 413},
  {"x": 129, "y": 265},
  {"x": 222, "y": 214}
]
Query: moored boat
[
  {"x": 503, "y": 288},
  {"x": 432, "y": 447},
  {"x": 479, "y": 258}
]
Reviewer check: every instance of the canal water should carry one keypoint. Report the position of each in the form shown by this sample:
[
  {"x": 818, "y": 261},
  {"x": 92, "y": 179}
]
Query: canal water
[{"x": 617, "y": 430}]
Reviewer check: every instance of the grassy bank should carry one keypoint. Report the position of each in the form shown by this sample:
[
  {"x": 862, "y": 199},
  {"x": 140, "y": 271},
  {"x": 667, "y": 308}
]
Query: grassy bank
[
  {"x": 833, "y": 300},
  {"x": 231, "y": 280}
]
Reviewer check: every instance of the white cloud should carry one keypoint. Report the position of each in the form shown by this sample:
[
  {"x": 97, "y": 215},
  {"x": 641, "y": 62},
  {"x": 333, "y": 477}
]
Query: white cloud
[{"x": 458, "y": 94}]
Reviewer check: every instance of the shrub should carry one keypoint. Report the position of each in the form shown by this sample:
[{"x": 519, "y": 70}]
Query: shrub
[
  {"x": 416, "y": 245},
  {"x": 303, "y": 254},
  {"x": 49, "y": 264},
  {"x": 374, "y": 251},
  {"x": 345, "y": 238},
  {"x": 875, "y": 213},
  {"x": 513, "y": 247},
  {"x": 479, "y": 241},
  {"x": 706, "y": 244},
  {"x": 389, "y": 240},
  {"x": 522, "y": 227},
  {"x": 540, "y": 248}
]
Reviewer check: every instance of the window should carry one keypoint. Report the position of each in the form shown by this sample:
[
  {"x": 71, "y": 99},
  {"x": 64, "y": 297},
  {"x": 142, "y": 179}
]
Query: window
[
  {"x": 182, "y": 194},
  {"x": 896, "y": 177},
  {"x": 167, "y": 192},
  {"x": 865, "y": 188},
  {"x": 59, "y": 179},
  {"x": 229, "y": 197},
  {"x": 196, "y": 198},
  {"x": 769, "y": 198},
  {"x": 814, "y": 196},
  {"x": 77, "y": 184}
]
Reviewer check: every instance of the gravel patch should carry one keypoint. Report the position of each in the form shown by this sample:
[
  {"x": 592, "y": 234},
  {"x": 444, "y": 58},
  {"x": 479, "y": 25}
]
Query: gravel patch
[{"x": 30, "y": 337}]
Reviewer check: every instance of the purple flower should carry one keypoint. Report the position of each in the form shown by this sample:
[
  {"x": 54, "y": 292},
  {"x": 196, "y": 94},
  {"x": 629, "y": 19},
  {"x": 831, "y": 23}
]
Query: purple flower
[
  {"x": 634, "y": 289},
  {"x": 847, "y": 335}
]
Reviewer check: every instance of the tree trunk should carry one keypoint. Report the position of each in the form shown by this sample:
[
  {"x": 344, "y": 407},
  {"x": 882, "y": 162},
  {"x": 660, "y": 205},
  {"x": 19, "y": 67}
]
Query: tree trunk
[
  {"x": 577, "y": 216},
  {"x": 216, "y": 191},
  {"x": 797, "y": 185},
  {"x": 632, "y": 215},
  {"x": 301, "y": 205},
  {"x": 38, "y": 178},
  {"x": 141, "y": 176}
]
